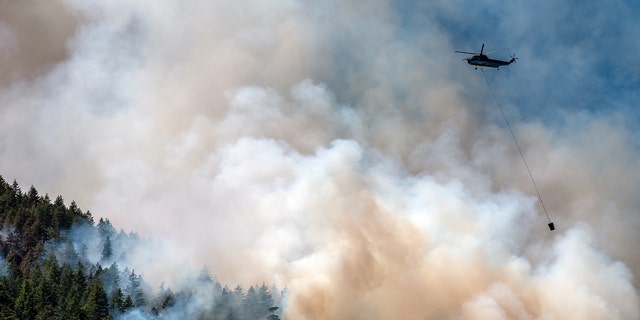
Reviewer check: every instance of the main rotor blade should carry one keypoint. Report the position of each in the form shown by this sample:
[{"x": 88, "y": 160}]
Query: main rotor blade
[
  {"x": 465, "y": 52},
  {"x": 494, "y": 51}
]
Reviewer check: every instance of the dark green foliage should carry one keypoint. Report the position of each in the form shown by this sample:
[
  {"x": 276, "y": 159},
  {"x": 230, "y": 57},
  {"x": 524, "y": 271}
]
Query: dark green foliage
[
  {"x": 97, "y": 306},
  {"x": 116, "y": 303},
  {"x": 46, "y": 275},
  {"x": 30, "y": 220},
  {"x": 25, "y": 303},
  {"x": 127, "y": 303}
]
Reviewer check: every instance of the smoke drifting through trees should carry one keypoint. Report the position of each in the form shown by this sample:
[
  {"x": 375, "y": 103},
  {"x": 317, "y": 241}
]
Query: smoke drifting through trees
[
  {"x": 320, "y": 146},
  {"x": 50, "y": 271}
]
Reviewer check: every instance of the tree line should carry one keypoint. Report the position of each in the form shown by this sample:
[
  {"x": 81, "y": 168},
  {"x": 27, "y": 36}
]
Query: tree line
[{"x": 44, "y": 274}]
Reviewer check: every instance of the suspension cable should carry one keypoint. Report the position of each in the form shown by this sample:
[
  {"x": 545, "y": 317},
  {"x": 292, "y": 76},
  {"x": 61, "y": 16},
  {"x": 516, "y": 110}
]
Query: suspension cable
[{"x": 533, "y": 181}]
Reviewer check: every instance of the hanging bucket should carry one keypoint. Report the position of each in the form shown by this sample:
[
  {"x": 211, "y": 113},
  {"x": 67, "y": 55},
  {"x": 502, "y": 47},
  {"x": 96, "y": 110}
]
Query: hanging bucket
[{"x": 551, "y": 226}]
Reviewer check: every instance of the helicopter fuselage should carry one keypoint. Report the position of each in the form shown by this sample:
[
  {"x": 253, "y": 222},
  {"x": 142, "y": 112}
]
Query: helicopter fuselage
[{"x": 484, "y": 61}]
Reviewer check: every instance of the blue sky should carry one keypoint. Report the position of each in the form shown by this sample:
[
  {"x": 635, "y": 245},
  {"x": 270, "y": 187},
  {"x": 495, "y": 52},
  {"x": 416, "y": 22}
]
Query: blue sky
[{"x": 573, "y": 55}]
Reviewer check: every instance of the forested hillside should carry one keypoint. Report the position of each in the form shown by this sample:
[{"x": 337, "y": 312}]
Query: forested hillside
[{"x": 49, "y": 270}]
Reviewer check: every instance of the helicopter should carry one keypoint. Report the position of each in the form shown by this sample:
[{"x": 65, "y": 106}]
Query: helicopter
[{"x": 481, "y": 60}]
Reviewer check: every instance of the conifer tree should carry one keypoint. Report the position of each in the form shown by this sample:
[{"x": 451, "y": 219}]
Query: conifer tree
[
  {"x": 164, "y": 299},
  {"x": 62, "y": 219},
  {"x": 205, "y": 275},
  {"x": 16, "y": 188},
  {"x": 265, "y": 300},
  {"x": 8, "y": 293},
  {"x": 32, "y": 196},
  {"x": 25, "y": 306},
  {"x": 80, "y": 279},
  {"x": 237, "y": 301},
  {"x": 252, "y": 304},
  {"x": 66, "y": 284},
  {"x": 44, "y": 290},
  {"x": 110, "y": 278},
  {"x": 116, "y": 302},
  {"x": 105, "y": 228},
  {"x": 107, "y": 249},
  {"x": 127, "y": 303},
  {"x": 35, "y": 286},
  {"x": 96, "y": 307},
  {"x": 134, "y": 289}
]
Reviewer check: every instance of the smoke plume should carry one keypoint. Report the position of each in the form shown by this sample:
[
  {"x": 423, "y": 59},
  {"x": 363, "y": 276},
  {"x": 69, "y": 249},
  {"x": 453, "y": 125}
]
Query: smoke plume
[{"x": 339, "y": 149}]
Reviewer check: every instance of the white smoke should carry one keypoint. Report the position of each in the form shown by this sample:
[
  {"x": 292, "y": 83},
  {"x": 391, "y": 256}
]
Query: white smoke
[{"x": 329, "y": 149}]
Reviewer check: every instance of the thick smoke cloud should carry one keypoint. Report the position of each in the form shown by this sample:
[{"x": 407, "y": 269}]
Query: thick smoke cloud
[
  {"x": 340, "y": 148},
  {"x": 23, "y": 54}
]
